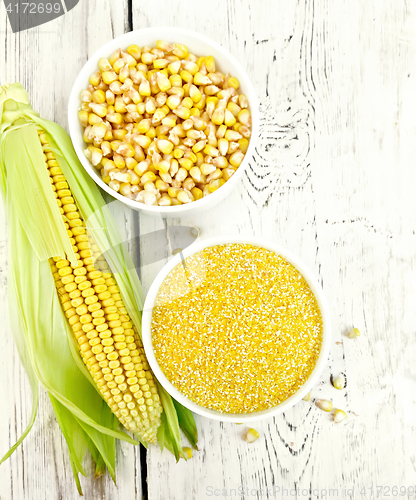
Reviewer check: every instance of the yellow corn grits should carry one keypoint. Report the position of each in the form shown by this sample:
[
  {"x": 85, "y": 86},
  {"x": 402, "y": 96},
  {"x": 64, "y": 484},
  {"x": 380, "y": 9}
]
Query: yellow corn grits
[{"x": 236, "y": 328}]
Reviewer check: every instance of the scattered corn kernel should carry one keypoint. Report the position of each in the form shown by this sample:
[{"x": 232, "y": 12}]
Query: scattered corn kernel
[
  {"x": 324, "y": 404},
  {"x": 339, "y": 416},
  {"x": 354, "y": 333},
  {"x": 252, "y": 435},
  {"x": 338, "y": 382}
]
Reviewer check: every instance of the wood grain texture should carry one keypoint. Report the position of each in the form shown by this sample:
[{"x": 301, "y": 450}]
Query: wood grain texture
[
  {"x": 332, "y": 179},
  {"x": 46, "y": 61}
]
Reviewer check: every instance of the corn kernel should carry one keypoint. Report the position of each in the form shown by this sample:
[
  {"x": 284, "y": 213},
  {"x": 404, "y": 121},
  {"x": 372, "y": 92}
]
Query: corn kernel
[
  {"x": 324, "y": 404},
  {"x": 233, "y": 82},
  {"x": 252, "y": 435},
  {"x": 339, "y": 416},
  {"x": 354, "y": 333}
]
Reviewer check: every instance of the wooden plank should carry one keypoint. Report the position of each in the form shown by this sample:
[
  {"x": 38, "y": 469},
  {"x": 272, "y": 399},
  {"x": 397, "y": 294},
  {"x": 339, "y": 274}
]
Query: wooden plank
[
  {"x": 331, "y": 180},
  {"x": 46, "y": 60}
]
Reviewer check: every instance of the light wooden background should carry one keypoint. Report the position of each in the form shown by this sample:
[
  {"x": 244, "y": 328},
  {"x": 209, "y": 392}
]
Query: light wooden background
[{"x": 333, "y": 179}]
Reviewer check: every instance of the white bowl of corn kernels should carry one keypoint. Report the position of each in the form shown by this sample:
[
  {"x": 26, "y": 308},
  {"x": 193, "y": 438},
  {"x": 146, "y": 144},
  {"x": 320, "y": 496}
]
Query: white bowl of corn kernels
[
  {"x": 164, "y": 119},
  {"x": 236, "y": 329}
]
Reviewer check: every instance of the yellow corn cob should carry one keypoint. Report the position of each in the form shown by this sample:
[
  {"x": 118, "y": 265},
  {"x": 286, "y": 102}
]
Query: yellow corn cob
[{"x": 108, "y": 341}]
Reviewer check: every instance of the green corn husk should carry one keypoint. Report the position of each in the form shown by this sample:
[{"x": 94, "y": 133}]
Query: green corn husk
[{"x": 45, "y": 342}]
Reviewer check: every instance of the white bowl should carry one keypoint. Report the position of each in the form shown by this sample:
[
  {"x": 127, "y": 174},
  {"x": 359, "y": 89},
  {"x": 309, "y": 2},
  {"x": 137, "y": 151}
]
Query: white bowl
[
  {"x": 236, "y": 417},
  {"x": 197, "y": 44}
]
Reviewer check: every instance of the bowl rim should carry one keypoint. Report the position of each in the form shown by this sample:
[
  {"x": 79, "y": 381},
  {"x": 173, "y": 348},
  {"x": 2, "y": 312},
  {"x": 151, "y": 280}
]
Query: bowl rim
[
  {"x": 73, "y": 123},
  {"x": 197, "y": 246}
]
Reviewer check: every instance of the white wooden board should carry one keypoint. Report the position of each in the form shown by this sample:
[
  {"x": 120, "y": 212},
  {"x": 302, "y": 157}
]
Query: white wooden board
[
  {"x": 46, "y": 61},
  {"x": 333, "y": 180}
]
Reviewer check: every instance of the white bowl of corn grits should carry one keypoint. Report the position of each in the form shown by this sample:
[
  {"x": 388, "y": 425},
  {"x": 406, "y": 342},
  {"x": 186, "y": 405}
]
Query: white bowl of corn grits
[
  {"x": 196, "y": 198},
  {"x": 236, "y": 329}
]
